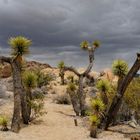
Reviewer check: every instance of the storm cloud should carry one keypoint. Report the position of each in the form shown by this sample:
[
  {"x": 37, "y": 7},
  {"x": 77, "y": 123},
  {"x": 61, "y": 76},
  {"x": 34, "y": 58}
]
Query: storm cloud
[{"x": 57, "y": 27}]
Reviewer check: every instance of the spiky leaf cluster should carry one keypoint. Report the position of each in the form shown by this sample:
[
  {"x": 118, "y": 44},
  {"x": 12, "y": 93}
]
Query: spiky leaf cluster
[
  {"x": 20, "y": 45},
  {"x": 120, "y": 68},
  {"x": 94, "y": 120},
  {"x": 29, "y": 79},
  {"x": 96, "y": 43},
  {"x": 103, "y": 85},
  {"x": 61, "y": 65},
  {"x": 97, "y": 105},
  {"x": 3, "y": 121},
  {"x": 84, "y": 45}
]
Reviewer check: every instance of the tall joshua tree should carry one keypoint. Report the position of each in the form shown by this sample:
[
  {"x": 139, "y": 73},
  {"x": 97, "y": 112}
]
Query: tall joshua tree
[
  {"x": 117, "y": 100},
  {"x": 61, "y": 66},
  {"x": 91, "y": 49},
  {"x": 30, "y": 82},
  {"x": 19, "y": 48}
]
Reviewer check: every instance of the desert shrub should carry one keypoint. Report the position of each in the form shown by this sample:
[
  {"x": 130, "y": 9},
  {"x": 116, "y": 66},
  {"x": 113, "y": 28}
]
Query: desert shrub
[
  {"x": 71, "y": 87},
  {"x": 4, "y": 123},
  {"x": 37, "y": 108},
  {"x": 38, "y": 95},
  {"x": 62, "y": 99},
  {"x": 132, "y": 95},
  {"x": 71, "y": 78},
  {"x": 43, "y": 79}
]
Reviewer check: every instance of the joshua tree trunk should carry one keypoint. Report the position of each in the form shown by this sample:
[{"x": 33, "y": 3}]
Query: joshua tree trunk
[
  {"x": 17, "y": 99},
  {"x": 19, "y": 94},
  {"x": 117, "y": 100},
  {"x": 15, "y": 126},
  {"x": 82, "y": 96},
  {"x": 93, "y": 131},
  {"x": 74, "y": 101},
  {"x": 104, "y": 98},
  {"x": 29, "y": 99},
  {"x": 17, "y": 68},
  {"x": 62, "y": 77}
]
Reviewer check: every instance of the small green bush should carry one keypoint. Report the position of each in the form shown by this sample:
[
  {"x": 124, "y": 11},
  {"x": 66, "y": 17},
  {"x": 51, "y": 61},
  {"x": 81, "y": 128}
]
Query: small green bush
[
  {"x": 62, "y": 99},
  {"x": 4, "y": 123}
]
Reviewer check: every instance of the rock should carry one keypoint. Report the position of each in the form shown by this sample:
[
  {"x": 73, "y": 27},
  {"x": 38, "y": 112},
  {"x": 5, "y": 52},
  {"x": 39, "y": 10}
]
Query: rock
[
  {"x": 6, "y": 71},
  {"x": 132, "y": 124}
]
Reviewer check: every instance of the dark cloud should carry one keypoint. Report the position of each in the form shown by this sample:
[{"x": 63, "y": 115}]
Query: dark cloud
[{"x": 57, "y": 27}]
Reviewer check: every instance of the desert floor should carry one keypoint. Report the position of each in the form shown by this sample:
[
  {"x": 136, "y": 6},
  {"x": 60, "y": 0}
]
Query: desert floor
[{"x": 57, "y": 124}]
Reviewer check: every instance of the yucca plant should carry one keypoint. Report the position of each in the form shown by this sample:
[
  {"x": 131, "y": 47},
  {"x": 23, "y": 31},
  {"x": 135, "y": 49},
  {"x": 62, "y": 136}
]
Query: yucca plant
[
  {"x": 98, "y": 108},
  {"x": 94, "y": 120},
  {"x": 97, "y": 105},
  {"x": 4, "y": 123},
  {"x": 30, "y": 82},
  {"x": 20, "y": 45},
  {"x": 104, "y": 87},
  {"x": 61, "y": 66},
  {"x": 120, "y": 68},
  {"x": 94, "y": 123}
]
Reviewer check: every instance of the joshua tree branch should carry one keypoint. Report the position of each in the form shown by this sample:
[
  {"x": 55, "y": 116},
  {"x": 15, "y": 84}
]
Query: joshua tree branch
[
  {"x": 66, "y": 68},
  {"x": 91, "y": 58},
  {"x": 5, "y": 59}
]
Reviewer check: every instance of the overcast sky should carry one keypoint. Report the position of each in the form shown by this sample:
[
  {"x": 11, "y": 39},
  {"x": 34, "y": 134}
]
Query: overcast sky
[{"x": 57, "y": 27}]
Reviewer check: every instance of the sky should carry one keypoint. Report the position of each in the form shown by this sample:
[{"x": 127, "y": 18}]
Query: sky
[{"x": 57, "y": 27}]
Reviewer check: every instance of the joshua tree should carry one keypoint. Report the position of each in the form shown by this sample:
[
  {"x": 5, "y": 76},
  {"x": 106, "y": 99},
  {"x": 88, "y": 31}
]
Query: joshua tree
[
  {"x": 104, "y": 88},
  {"x": 117, "y": 100},
  {"x": 91, "y": 49},
  {"x": 71, "y": 90},
  {"x": 98, "y": 108},
  {"x": 19, "y": 48},
  {"x": 61, "y": 66},
  {"x": 30, "y": 82}
]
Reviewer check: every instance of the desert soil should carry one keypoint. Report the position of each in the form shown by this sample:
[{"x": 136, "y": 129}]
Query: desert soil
[{"x": 57, "y": 124}]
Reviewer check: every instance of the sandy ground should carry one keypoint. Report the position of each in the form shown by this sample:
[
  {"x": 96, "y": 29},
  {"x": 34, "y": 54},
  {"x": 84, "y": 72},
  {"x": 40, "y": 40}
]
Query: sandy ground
[{"x": 57, "y": 124}]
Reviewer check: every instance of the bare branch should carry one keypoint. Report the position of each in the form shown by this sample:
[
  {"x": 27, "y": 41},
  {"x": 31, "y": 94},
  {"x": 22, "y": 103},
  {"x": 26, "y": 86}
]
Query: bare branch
[
  {"x": 5, "y": 59},
  {"x": 72, "y": 70},
  {"x": 91, "y": 58}
]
